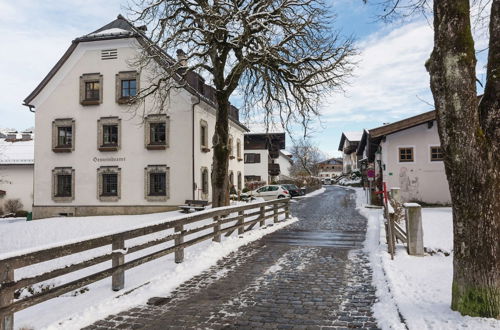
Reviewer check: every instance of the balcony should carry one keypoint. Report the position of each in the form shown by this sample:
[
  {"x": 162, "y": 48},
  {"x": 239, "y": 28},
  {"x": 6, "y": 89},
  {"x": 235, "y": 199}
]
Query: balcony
[{"x": 274, "y": 169}]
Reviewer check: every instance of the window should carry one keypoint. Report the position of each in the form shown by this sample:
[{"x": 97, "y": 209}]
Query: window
[
  {"x": 273, "y": 188},
  {"x": 239, "y": 181},
  {"x": 230, "y": 147},
  {"x": 63, "y": 135},
  {"x": 204, "y": 136},
  {"x": 109, "y": 183},
  {"x": 156, "y": 183},
  {"x": 91, "y": 89},
  {"x": 63, "y": 183},
  {"x": 252, "y": 158},
  {"x": 250, "y": 178},
  {"x": 238, "y": 149},
  {"x": 204, "y": 180},
  {"x": 231, "y": 178},
  {"x": 157, "y": 127},
  {"x": 127, "y": 86},
  {"x": 406, "y": 154},
  {"x": 109, "y": 134},
  {"x": 436, "y": 154}
]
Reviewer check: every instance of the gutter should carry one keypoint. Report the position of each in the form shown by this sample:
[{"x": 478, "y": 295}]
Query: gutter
[
  {"x": 30, "y": 107},
  {"x": 193, "y": 105}
]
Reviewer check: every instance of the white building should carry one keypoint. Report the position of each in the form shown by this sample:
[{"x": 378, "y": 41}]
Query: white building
[
  {"x": 95, "y": 156},
  {"x": 407, "y": 154},
  {"x": 348, "y": 145},
  {"x": 265, "y": 158},
  {"x": 16, "y": 169},
  {"x": 330, "y": 168}
]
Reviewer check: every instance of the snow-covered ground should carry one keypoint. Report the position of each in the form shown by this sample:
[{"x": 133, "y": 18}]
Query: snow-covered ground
[
  {"x": 157, "y": 278},
  {"x": 416, "y": 290}
]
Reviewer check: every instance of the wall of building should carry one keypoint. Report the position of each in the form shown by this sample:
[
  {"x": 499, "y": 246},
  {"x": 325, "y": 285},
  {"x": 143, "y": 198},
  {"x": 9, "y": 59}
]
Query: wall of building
[
  {"x": 60, "y": 99},
  {"x": 17, "y": 182},
  {"x": 421, "y": 180},
  {"x": 285, "y": 164},
  {"x": 259, "y": 169}
]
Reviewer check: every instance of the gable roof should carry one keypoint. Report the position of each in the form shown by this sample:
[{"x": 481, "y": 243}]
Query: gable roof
[
  {"x": 121, "y": 28},
  {"x": 403, "y": 124},
  {"x": 351, "y": 137},
  {"x": 332, "y": 161}
]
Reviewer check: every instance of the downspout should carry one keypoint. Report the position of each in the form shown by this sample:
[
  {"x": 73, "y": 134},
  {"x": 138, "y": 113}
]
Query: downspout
[{"x": 192, "y": 150}]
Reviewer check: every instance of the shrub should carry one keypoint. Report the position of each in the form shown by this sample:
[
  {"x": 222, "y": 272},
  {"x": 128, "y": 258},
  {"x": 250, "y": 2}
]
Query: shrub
[
  {"x": 21, "y": 214},
  {"x": 13, "y": 205}
]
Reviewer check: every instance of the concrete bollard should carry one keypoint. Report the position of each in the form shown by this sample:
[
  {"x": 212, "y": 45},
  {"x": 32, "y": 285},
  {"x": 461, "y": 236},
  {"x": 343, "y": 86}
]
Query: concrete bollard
[
  {"x": 396, "y": 194},
  {"x": 118, "y": 277},
  {"x": 414, "y": 230}
]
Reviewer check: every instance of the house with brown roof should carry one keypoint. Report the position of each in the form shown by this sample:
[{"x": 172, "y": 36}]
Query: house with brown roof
[{"x": 407, "y": 154}]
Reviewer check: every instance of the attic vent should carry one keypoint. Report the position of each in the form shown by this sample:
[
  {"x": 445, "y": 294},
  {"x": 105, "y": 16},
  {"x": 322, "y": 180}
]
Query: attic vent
[{"x": 109, "y": 54}]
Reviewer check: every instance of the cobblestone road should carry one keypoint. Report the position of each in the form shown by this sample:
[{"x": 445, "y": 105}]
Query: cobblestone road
[{"x": 310, "y": 275}]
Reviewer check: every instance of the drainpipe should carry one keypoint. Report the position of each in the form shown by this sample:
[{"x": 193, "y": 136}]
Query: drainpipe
[{"x": 192, "y": 150}]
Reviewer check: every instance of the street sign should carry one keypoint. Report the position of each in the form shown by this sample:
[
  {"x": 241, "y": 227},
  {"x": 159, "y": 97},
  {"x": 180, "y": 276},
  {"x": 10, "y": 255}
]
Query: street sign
[{"x": 370, "y": 173}]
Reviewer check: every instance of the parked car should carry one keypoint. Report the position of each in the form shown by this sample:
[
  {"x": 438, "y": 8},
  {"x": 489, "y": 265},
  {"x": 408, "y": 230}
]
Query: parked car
[
  {"x": 270, "y": 192},
  {"x": 293, "y": 189},
  {"x": 327, "y": 181}
]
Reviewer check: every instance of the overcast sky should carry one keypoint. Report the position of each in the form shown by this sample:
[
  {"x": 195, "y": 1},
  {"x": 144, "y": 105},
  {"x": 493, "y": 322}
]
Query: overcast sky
[{"x": 390, "y": 81}]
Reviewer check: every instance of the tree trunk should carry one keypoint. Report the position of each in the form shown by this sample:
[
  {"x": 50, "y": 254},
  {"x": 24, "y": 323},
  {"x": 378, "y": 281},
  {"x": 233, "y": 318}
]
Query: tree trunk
[
  {"x": 469, "y": 134},
  {"x": 220, "y": 164}
]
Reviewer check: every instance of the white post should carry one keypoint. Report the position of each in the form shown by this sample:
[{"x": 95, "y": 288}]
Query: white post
[
  {"x": 414, "y": 230},
  {"x": 396, "y": 194}
]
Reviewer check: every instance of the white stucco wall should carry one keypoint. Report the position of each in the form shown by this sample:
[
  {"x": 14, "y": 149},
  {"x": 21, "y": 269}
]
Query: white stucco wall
[
  {"x": 420, "y": 180},
  {"x": 285, "y": 164},
  {"x": 17, "y": 182},
  {"x": 260, "y": 169},
  {"x": 60, "y": 99}
]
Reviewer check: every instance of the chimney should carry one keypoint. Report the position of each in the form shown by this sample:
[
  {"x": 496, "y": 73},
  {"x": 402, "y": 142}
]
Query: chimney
[
  {"x": 26, "y": 136},
  {"x": 11, "y": 136}
]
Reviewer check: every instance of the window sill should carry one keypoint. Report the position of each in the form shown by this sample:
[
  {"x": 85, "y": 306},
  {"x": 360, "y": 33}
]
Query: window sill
[
  {"x": 90, "y": 102},
  {"x": 240, "y": 159},
  {"x": 205, "y": 149},
  {"x": 125, "y": 100},
  {"x": 156, "y": 147},
  {"x": 108, "y": 148},
  {"x": 62, "y": 149},
  {"x": 232, "y": 157}
]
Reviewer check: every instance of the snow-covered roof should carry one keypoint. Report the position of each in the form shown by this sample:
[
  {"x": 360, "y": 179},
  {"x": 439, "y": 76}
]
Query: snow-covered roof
[
  {"x": 353, "y": 136},
  {"x": 112, "y": 31},
  {"x": 19, "y": 152}
]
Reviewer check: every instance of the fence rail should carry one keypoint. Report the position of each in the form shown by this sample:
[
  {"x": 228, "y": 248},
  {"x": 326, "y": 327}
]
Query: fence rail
[{"x": 220, "y": 217}]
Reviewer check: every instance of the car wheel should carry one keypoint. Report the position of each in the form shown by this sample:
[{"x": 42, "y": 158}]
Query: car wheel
[{"x": 281, "y": 196}]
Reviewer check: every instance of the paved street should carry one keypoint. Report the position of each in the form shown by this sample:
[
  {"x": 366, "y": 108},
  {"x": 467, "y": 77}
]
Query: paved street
[{"x": 310, "y": 275}]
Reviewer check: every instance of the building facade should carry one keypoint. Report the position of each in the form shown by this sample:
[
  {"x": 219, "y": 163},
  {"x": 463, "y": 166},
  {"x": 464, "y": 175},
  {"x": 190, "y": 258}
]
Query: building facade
[
  {"x": 16, "y": 169},
  {"x": 348, "y": 145},
  {"x": 330, "y": 168},
  {"x": 265, "y": 159},
  {"x": 98, "y": 154}
]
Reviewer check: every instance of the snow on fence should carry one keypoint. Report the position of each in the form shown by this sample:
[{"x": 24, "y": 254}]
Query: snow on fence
[{"x": 221, "y": 217}]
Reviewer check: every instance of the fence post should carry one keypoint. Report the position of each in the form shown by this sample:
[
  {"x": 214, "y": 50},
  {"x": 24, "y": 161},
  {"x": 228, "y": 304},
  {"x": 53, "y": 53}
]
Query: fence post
[
  {"x": 179, "y": 239},
  {"x": 241, "y": 229},
  {"x": 118, "y": 277},
  {"x": 262, "y": 215},
  {"x": 217, "y": 237},
  {"x": 6, "y": 297},
  {"x": 275, "y": 211},
  {"x": 414, "y": 230},
  {"x": 287, "y": 209}
]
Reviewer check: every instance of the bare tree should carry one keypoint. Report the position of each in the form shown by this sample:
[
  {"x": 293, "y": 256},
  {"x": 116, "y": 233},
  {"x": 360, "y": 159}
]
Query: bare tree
[
  {"x": 306, "y": 157},
  {"x": 469, "y": 129},
  {"x": 13, "y": 205},
  {"x": 281, "y": 54}
]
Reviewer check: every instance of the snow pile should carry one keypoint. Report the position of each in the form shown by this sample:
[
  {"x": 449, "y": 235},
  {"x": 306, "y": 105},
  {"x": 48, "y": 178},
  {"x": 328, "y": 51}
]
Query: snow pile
[
  {"x": 418, "y": 289},
  {"x": 156, "y": 278}
]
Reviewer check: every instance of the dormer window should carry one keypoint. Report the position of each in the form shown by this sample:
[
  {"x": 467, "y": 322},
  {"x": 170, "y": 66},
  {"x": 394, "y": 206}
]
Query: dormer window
[
  {"x": 127, "y": 86},
  {"x": 91, "y": 89}
]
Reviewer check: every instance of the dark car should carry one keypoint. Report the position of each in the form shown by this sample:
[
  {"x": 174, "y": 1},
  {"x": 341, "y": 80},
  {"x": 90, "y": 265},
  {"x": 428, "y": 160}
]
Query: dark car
[{"x": 293, "y": 189}]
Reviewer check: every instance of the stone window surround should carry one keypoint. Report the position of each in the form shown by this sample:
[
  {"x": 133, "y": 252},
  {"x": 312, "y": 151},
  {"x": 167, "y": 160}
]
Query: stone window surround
[
  {"x": 108, "y": 121},
  {"x": 156, "y": 169},
  {"x": 109, "y": 170},
  {"x": 231, "y": 178},
  {"x": 62, "y": 122},
  {"x": 63, "y": 171},
  {"x": 240, "y": 181},
  {"x": 88, "y": 77},
  {"x": 203, "y": 192},
  {"x": 204, "y": 148},
  {"x": 125, "y": 75},
  {"x": 238, "y": 150},
  {"x": 156, "y": 118},
  {"x": 230, "y": 146}
]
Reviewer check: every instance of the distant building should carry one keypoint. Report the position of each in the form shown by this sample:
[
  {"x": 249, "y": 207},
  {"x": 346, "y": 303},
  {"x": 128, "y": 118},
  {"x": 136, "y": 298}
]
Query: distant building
[
  {"x": 265, "y": 158},
  {"x": 16, "y": 168},
  {"x": 348, "y": 145},
  {"x": 330, "y": 168},
  {"x": 93, "y": 157},
  {"x": 407, "y": 154}
]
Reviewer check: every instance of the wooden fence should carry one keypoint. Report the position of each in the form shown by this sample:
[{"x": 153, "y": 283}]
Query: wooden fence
[{"x": 222, "y": 223}]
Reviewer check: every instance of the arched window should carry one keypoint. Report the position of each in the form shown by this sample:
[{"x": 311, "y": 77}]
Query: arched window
[
  {"x": 231, "y": 178},
  {"x": 204, "y": 180},
  {"x": 239, "y": 181},
  {"x": 238, "y": 149},
  {"x": 230, "y": 146}
]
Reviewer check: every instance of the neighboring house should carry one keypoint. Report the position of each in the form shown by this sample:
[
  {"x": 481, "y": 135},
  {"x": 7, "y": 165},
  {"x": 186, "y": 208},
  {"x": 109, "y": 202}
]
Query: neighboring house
[
  {"x": 16, "y": 168},
  {"x": 330, "y": 168},
  {"x": 94, "y": 157},
  {"x": 348, "y": 145},
  {"x": 407, "y": 154},
  {"x": 264, "y": 157}
]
